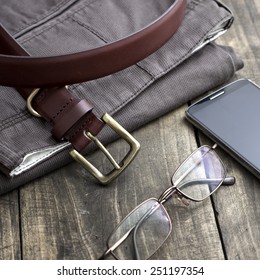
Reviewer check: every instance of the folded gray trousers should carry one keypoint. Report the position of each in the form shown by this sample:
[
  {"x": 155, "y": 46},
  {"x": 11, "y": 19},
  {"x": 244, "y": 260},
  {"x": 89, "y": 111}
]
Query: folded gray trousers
[{"x": 168, "y": 78}]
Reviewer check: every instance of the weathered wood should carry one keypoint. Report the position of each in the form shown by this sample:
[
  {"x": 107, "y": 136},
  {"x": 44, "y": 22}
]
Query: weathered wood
[
  {"x": 195, "y": 234},
  {"x": 64, "y": 216},
  {"x": 237, "y": 206},
  {"x": 238, "y": 211},
  {"x": 67, "y": 215},
  {"x": 9, "y": 227}
]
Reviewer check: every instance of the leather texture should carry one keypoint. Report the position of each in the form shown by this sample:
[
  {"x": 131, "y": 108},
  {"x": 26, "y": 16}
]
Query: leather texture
[
  {"x": 133, "y": 97},
  {"x": 102, "y": 61},
  {"x": 70, "y": 116}
]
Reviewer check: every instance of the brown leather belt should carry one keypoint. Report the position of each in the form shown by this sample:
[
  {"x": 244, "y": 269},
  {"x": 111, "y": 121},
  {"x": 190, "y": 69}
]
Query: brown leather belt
[{"x": 72, "y": 119}]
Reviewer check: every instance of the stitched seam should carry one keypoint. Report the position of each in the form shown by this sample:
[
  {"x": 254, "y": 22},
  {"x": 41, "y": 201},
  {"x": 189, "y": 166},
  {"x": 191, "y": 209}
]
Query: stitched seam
[
  {"x": 5, "y": 151},
  {"x": 22, "y": 167},
  {"x": 59, "y": 21},
  {"x": 162, "y": 72},
  {"x": 145, "y": 70},
  {"x": 100, "y": 36},
  {"x": 54, "y": 24},
  {"x": 132, "y": 96},
  {"x": 38, "y": 160},
  {"x": 75, "y": 133},
  {"x": 188, "y": 53},
  {"x": 63, "y": 108},
  {"x": 13, "y": 120},
  {"x": 47, "y": 14},
  {"x": 93, "y": 31},
  {"x": 146, "y": 84},
  {"x": 181, "y": 58},
  {"x": 191, "y": 6}
]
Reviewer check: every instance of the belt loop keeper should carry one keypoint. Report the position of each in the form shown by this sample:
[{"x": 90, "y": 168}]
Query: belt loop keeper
[{"x": 64, "y": 124}]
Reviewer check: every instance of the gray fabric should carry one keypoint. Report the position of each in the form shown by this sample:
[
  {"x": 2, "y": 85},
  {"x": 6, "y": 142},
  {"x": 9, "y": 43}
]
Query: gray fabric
[{"x": 134, "y": 96}]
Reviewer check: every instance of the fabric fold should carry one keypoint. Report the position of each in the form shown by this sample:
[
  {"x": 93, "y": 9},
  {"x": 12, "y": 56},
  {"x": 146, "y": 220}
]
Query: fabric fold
[{"x": 143, "y": 92}]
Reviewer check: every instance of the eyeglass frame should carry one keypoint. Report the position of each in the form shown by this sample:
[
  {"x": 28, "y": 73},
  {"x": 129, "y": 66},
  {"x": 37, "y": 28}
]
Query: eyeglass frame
[{"x": 164, "y": 197}]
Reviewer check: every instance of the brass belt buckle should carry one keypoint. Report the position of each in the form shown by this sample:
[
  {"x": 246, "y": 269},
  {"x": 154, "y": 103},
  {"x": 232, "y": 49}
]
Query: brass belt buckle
[
  {"x": 118, "y": 169},
  {"x": 29, "y": 103}
]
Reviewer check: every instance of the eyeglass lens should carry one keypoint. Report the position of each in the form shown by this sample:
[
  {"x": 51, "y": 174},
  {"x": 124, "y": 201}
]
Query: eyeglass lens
[
  {"x": 202, "y": 173},
  {"x": 149, "y": 219}
]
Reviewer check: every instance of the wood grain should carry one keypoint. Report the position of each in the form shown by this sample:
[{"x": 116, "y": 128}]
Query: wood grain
[
  {"x": 237, "y": 206},
  {"x": 64, "y": 216},
  {"x": 10, "y": 242},
  {"x": 67, "y": 215}
]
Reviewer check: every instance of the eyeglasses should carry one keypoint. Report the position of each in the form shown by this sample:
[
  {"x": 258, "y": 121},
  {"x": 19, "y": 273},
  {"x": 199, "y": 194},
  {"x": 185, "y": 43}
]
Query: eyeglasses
[{"x": 196, "y": 179}]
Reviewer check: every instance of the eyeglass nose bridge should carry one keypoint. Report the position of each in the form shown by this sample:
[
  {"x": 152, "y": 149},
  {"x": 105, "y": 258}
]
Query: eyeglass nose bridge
[{"x": 167, "y": 194}]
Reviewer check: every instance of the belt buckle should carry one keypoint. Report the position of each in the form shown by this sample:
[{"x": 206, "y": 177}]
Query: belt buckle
[{"x": 118, "y": 169}]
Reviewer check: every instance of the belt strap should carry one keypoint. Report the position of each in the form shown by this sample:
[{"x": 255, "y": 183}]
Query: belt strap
[
  {"x": 102, "y": 61},
  {"x": 72, "y": 119}
]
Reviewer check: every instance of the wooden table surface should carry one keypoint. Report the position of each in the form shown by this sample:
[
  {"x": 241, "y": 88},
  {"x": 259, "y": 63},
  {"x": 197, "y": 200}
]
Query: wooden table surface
[{"x": 64, "y": 216}]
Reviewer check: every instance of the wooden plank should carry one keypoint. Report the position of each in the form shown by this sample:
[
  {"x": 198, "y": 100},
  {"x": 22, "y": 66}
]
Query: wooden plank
[
  {"x": 9, "y": 227},
  {"x": 237, "y": 206},
  {"x": 65, "y": 215},
  {"x": 195, "y": 234},
  {"x": 238, "y": 212}
]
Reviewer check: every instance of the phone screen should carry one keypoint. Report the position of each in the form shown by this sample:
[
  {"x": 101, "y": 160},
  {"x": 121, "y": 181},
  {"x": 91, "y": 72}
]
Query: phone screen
[{"x": 232, "y": 117}]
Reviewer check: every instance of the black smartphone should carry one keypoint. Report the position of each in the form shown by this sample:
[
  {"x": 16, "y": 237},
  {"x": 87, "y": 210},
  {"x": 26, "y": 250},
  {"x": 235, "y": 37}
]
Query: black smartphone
[{"x": 231, "y": 117}]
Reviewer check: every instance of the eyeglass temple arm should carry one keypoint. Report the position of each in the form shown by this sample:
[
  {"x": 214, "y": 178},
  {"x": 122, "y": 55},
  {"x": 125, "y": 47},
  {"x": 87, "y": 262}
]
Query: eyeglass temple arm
[
  {"x": 147, "y": 214},
  {"x": 228, "y": 181},
  {"x": 119, "y": 242}
]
